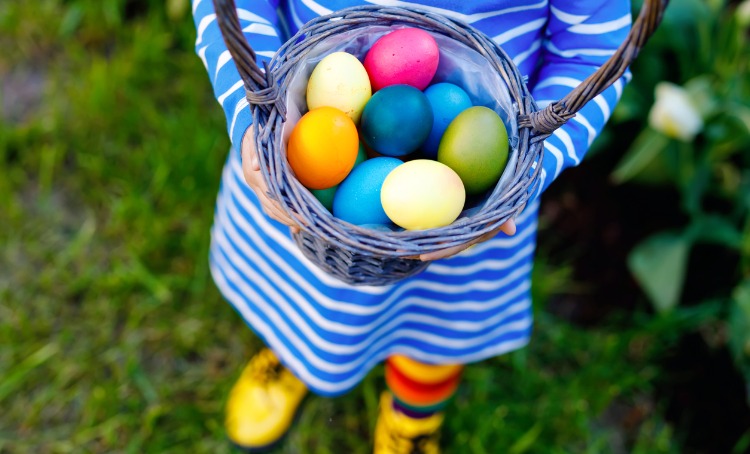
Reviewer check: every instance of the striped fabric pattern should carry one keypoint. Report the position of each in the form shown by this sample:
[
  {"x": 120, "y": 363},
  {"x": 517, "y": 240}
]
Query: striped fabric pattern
[{"x": 460, "y": 310}]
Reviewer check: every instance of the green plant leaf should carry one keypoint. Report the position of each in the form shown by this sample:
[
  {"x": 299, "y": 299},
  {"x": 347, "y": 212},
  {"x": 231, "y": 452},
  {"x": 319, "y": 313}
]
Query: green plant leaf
[
  {"x": 702, "y": 93},
  {"x": 741, "y": 113},
  {"x": 645, "y": 148},
  {"x": 694, "y": 177},
  {"x": 526, "y": 441},
  {"x": 658, "y": 264},
  {"x": 176, "y": 9},
  {"x": 71, "y": 20},
  {"x": 631, "y": 106},
  {"x": 715, "y": 229},
  {"x": 739, "y": 325},
  {"x": 13, "y": 379}
]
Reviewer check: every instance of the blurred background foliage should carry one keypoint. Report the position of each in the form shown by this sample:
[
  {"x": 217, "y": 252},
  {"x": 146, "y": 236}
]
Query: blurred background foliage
[
  {"x": 114, "y": 339},
  {"x": 705, "y": 159},
  {"x": 690, "y": 102}
]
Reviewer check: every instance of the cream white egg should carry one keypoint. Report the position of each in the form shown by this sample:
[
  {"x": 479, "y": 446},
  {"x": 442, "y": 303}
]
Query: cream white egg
[
  {"x": 339, "y": 80},
  {"x": 422, "y": 194}
]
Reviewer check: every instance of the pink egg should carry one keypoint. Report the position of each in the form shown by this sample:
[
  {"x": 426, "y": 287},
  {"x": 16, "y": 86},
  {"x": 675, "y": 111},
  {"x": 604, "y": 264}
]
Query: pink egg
[{"x": 407, "y": 56}]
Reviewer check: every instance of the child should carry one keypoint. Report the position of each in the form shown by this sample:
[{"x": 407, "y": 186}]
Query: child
[{"x": 325, "y": 335}]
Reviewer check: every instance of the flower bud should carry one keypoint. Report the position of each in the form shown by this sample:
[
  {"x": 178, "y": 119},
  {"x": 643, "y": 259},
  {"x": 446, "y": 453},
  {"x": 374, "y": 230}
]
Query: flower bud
[
  {"x": 743, "y": 14},
  {"x": 674, "y": 114}
]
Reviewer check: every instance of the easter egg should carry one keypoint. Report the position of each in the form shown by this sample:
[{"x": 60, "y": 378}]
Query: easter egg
[
  {"x": 361, "y": 155},
  {"x": 447, "y": 101},
  {"x": 325, "y": 196},
  {"x": 357, "y": 199},
  {"x": 339, "y": 80},
  {"x": 475, "y": 145},
  {"x": 422, "y": 194},
  {"x": 323, "y": 147},
  {"x": 396, "y": 120},
  {"x": 407, "y": 56}
]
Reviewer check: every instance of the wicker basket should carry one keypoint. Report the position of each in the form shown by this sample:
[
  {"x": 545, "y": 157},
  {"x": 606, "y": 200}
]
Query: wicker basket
[{"x": 365, "y": 256}]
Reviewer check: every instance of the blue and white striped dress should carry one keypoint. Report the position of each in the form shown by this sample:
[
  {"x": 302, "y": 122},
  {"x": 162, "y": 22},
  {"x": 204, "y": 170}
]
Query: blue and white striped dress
[{"x": 461, "y": 309}]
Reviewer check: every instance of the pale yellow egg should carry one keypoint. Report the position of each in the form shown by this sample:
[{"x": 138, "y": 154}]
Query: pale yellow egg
[
  {"x": 422, "y": 194},
  {"x": 339, "y": 81}
]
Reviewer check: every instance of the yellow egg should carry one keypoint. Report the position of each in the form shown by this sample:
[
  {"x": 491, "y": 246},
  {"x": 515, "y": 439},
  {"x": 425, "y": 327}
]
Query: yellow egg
[
  {"x": 422, "y": 194},
  {"x": 339, "y": 81}
]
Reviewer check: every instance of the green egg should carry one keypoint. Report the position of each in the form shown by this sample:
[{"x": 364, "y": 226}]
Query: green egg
[
  {"x": 325, "y": 196},
  {"x": 361, "y": 155},
  {"x": 475, "y": 146}
]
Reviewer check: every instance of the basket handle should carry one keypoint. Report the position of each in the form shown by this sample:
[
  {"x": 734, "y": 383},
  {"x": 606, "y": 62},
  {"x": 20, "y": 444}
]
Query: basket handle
[
  {"x": 544, "y": 122},
  {"x": 260, "y": 87}
]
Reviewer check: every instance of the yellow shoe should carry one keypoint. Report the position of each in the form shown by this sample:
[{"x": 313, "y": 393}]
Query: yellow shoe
[
  {"x": 396, "y": 433},
  {"x": 263, "y": 403}
]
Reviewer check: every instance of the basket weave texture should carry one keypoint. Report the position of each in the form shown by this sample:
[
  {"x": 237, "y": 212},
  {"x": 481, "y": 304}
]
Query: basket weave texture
[{"x": 365, "y": 256}]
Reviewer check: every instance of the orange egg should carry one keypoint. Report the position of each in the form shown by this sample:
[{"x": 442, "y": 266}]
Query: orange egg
[{"x": 323, "y": 147}]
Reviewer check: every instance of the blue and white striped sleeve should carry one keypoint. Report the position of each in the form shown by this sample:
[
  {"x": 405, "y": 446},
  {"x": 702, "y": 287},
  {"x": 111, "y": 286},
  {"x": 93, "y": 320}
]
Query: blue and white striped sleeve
[
  {"x": 580, "y": 37},
  {"x": 260, "y": 23}
]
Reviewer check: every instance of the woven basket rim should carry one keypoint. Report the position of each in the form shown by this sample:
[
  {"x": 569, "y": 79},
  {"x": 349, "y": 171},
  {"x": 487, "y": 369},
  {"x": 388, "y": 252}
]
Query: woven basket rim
[
  {"x": 299, "y": 203},
  {"x": 365, "y": 256}
]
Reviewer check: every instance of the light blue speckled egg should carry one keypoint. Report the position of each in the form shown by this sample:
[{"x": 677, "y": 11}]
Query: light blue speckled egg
[{"x": 357, "y": 199}]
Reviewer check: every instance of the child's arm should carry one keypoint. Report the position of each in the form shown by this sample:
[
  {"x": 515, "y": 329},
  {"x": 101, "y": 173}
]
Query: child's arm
[
  {"x": 581, "y": 36},
  {"x": 260, "y": 23}
]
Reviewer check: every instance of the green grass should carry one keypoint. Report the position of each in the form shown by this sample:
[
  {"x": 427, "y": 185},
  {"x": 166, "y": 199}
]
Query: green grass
[{"x": 113, "y": 337}]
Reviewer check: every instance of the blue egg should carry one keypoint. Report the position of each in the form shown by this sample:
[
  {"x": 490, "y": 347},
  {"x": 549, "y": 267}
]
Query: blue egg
[
  {"x": 325, "y": 196},
  {"x": 447, "y": 101},
  {"x": 396, "y": 120},
  {"x": 357, "y": 199}
]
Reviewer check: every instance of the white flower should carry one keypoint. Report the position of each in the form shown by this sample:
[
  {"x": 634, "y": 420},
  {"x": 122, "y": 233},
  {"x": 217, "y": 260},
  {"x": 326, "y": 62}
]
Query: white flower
[
  {"x": 674, "y": 114},
  {"x": 743, "y": 13}
]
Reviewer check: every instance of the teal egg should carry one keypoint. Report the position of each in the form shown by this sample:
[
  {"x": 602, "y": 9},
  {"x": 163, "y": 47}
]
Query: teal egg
[
  {"x": 357, "y": 199},
  {"x": 396, "y": 120}
]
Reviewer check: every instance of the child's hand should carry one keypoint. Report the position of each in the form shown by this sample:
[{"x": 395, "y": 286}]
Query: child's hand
[
  {"x": 509, "y": 228},
  {"x": 254, "y": 179}
]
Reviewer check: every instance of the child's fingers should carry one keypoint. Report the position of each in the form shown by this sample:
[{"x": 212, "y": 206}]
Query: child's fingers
[
  {"x": 249, "y": 153},
  {"x": 509, "y": 227},
  {"x": 275, "y": 212}
]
